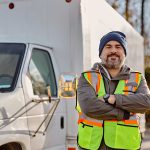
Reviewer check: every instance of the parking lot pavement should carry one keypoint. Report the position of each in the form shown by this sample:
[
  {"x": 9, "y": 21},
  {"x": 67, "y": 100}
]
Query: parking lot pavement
[{"x": 146, "y": 140}]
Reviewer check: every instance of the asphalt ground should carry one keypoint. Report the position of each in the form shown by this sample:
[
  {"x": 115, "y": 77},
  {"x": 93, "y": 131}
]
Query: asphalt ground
[{"x": 146, "y": 139}]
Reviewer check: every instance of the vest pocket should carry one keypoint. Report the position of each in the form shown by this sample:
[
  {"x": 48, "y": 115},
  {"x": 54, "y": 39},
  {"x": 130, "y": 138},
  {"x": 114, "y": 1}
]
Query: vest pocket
[
  {"x": 121, "y": 136},
  {"x": 89, "y": 137}
]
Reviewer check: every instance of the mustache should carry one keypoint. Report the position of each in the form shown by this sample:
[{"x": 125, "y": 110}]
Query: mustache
[{"x": 113, "y": 55}]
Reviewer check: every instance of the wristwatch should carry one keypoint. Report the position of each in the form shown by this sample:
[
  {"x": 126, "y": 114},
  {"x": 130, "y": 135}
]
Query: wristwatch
[{"x": 106, "y": 97}]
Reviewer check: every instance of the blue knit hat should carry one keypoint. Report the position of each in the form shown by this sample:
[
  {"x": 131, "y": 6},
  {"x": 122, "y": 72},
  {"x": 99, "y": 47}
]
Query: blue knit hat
[{"x": 113, "y": 36}]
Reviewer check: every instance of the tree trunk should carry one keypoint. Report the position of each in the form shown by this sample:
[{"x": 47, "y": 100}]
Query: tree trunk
[
  {"x": 142, "y": 17},
  {"x": 127, "y": 10}
]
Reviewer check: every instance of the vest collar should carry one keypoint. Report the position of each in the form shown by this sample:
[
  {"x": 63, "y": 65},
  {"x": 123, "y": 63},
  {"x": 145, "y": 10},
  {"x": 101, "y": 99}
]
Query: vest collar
[{"x": 123, "y": 75}]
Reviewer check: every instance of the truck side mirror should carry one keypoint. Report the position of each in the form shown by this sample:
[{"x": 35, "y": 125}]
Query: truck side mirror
[{"x": 67, "y": 85}]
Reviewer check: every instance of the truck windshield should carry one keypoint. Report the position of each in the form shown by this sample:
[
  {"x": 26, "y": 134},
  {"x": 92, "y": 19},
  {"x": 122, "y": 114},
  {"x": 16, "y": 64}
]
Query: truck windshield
[{"x": 11, "y": 56}]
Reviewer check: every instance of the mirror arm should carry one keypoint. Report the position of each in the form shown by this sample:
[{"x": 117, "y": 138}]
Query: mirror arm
[
  {"x": 49, "y": 99},
  {"x": 57, "y": 102},
  {"x": 52, "y": 109}
]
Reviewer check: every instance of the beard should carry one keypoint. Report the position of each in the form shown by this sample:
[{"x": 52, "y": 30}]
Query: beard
[{"x": 113, "y": 61}]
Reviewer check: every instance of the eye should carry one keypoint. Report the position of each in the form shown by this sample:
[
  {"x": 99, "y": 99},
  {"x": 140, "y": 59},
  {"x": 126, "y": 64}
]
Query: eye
[
  {"x": 108, "y": 46},
  {"x": 118, "y": 46}
]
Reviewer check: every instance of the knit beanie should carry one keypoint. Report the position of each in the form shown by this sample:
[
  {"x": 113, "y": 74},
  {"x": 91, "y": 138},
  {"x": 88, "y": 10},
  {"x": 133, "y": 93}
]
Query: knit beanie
[{"x": 113, "y": 36}]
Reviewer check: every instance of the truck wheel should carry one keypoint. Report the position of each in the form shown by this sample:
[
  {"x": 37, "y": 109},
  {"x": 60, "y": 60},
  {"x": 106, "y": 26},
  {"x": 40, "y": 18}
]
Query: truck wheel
[{"x": 11, "y": 146}]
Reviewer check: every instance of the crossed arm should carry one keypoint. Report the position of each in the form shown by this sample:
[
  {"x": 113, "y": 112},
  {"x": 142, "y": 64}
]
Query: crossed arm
[{"x": 96, "y": 107}]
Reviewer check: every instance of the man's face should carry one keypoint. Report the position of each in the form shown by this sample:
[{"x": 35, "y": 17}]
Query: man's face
[{"x": 113, "y": 55}]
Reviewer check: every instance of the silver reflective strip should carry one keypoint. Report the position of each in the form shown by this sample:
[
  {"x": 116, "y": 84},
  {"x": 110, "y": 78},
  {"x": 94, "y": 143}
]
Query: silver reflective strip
[
  {"x": 132, "y": 77},
  {"x": 133, "y": 117},
  {"x": 130, "y": 88},
  {"x": 106, "y": 72},
  {"x": 131, "y": 82},
  {"x": 94, "y": 80}
]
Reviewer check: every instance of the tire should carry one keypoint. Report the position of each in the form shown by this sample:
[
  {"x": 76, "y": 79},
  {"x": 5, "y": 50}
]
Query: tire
[{"x": 11, "y": 146}]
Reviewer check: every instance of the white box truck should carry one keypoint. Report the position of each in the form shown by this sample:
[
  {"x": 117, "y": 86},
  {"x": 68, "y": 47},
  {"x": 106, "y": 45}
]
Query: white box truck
[{"x": 39, "y": 41}]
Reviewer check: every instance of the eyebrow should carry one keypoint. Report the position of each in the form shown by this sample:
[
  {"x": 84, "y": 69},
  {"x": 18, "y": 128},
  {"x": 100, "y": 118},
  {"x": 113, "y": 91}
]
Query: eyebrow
[
  {"x": 118, "y": 44},
  {"x": 111, "y": 45},
  {"x": 108, "y": 45}
]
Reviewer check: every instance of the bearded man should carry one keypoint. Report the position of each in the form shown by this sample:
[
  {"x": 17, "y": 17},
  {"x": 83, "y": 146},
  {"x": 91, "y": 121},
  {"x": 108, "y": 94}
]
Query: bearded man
[{"x": 109, "y": 99}]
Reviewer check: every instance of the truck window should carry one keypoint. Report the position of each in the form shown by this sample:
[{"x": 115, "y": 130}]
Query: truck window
[
  {"x": 41, "y": 73},
  {"x": 11, "y": 56}
]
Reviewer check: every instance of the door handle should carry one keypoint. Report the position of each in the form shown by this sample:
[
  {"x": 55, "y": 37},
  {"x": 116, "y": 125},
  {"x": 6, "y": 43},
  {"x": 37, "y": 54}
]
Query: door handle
[{"x": 62, "y": 122}]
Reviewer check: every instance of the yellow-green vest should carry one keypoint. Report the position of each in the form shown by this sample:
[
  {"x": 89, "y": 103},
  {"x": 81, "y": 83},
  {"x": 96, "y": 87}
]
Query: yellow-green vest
[{"x": 123, "y": 134}]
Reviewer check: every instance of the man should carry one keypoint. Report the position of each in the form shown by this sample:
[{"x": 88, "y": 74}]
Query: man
[{"x": 109, "y": 97}]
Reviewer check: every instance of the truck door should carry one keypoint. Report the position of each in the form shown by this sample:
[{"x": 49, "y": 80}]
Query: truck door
[{"x": 40, "y": 75}]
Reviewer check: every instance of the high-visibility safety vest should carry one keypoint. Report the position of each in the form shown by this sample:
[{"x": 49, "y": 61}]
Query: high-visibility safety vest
[{"x": 123, "y": 134}]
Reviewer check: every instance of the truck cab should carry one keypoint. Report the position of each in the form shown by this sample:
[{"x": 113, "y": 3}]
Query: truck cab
[{"x": 29, "y": 89}]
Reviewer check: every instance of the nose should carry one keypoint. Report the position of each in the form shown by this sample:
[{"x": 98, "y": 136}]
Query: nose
[{"x": 113, "y": 49}]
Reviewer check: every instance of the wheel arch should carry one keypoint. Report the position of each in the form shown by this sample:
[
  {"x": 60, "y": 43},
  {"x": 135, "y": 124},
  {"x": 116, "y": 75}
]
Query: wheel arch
[{"x": 11, "y": 146}]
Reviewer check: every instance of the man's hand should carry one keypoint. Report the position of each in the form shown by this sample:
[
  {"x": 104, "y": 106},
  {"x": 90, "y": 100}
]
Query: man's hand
[{"x": 112, "y": 99}]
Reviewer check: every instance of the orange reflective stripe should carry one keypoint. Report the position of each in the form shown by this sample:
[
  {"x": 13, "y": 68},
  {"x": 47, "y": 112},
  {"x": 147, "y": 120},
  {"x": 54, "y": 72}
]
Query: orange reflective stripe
[
  {"x": 80, "y": 120},
  {"x": 89, "y": 77},
  {"x": 136, "y": 80},
  {"x": 131, "y": 122},
  {"x": 112, "y": 120},
  {"x": 98, "y": 83},
  {"x": 93, "y": 123},
  {"x": 125, "y": 121},
  {"x": 126, "y": 88}
]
